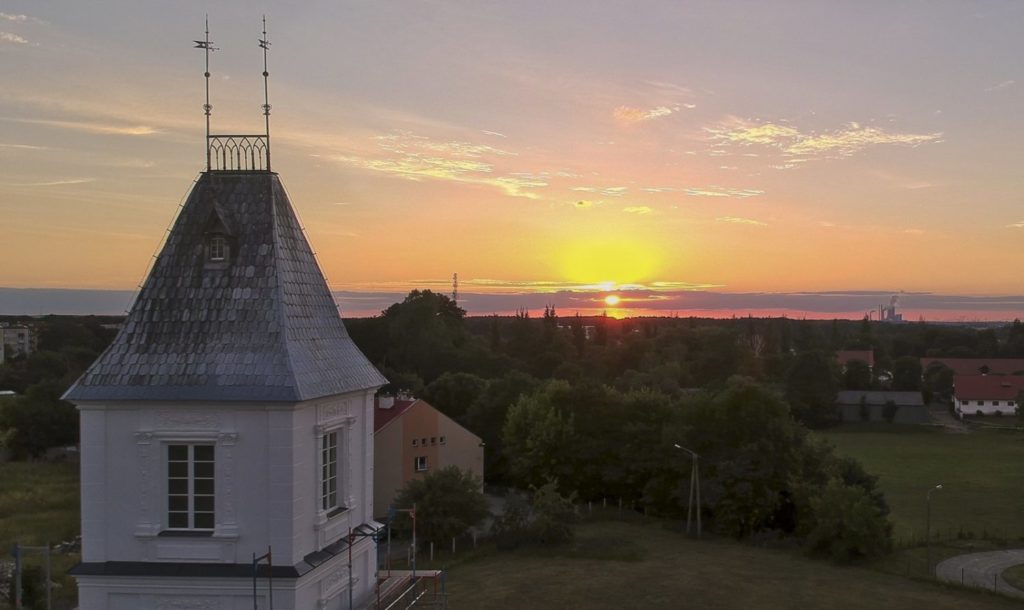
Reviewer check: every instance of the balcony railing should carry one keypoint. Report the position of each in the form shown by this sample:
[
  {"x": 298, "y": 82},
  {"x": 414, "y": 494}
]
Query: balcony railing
[{"x": 238, "y": 153}]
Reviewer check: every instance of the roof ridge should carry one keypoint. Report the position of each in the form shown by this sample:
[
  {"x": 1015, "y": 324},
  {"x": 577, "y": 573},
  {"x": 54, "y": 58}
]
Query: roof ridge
[{"x": 279, "y": 286}]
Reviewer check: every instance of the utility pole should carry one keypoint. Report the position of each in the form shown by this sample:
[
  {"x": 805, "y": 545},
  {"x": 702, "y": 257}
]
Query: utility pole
[{"x": 694, "y": 488}]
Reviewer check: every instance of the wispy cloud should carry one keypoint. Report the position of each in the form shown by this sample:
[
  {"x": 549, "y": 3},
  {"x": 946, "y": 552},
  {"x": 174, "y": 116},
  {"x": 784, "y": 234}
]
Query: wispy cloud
[
  {"x": 632, "y": 114},
  {"x": 843, "y": 142},
  {"x": 415, "y": 157},
  {"x": 742, "y": 221},
  {"x": 607, "y": 191},
  {"x": 637, "y": 209},
  {"x": 19, "y": 18},
  {"x": 914, "y": 231},
  {"x": 90, "y": 127},
  {"x": 61, "y": 182},
  {"x": 715, "y": 191},
  {"x": 494, "y": 133},
  {"x": 1016, "y": 225},
  {"x": 23, "y": 146},
  {"x": 1002, "y": 85},
  {"x": 12, "y": 38}
]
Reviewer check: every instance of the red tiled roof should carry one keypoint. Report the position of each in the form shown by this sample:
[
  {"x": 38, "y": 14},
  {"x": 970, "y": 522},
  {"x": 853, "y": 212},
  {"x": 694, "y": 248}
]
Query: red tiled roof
[
  {"x": 987, "y": 387},
  {"x": 381, "y": 417},
  {"x": 865, "y": 355},
  {"x": 973, "y": 366}
]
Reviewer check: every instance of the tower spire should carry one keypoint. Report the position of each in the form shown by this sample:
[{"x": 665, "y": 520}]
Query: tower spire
[
  {"x": 207, "y": 46},
  {"x": 265, "y": 45}
]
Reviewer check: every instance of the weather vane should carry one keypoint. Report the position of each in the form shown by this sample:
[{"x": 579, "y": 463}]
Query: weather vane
[
  {"x": 207, "y": 46},
  {"x": 265, "y": 45}
]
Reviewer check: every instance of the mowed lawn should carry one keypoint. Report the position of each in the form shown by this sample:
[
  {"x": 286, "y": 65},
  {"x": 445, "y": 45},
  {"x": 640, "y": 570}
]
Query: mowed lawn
[
  {"x": 982, "y": 475},
  {"x": 631, "y": 565}
]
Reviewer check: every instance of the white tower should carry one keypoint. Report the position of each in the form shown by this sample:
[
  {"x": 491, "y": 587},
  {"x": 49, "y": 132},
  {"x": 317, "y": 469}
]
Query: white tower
[{"x": 231, "y": 415}]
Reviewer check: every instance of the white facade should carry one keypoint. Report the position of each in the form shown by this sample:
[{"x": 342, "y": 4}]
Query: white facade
[
  {"x": 267, "y": 493},
  {"x": 986, "y": 407}
]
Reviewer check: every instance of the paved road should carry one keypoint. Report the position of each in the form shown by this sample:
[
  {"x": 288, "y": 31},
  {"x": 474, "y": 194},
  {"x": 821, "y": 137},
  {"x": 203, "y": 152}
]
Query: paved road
[{"x": 982, "y": 570}]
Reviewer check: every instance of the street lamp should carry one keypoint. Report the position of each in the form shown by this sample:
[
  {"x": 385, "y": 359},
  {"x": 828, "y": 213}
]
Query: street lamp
[
  {"x": 694, "y": 487},
  {"x": 928, "y": 525}
]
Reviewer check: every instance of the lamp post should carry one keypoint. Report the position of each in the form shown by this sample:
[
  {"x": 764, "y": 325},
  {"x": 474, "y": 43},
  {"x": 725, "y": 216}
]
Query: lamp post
[
  {"x": 928, "y": 526},
  {"x": 694, "y": 488}
]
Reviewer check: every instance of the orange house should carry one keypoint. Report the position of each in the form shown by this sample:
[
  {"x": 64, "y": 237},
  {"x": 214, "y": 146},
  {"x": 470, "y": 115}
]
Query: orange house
[{"x": 410, "y": 439}]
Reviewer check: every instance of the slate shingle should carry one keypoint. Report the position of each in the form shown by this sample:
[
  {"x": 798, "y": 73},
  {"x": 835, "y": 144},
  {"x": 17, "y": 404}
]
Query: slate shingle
[{"x": 261, "y": 327}]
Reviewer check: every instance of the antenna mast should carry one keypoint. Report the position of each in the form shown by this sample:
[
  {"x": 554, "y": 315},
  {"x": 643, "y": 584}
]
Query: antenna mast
[
  {"x": 207, "y": 46},
  {"x": 265, "y": 45}
]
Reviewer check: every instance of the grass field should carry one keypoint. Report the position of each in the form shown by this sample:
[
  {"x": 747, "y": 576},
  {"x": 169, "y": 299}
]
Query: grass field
[
  {"x": 39, "y": 504},
  {"x": 982, "y": 474},
  {"x": 1015, "y": 576},
  {"x": 631, "y": 565}
]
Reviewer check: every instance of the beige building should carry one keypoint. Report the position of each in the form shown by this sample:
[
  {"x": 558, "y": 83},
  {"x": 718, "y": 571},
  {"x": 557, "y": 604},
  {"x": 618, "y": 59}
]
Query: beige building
[
  {"x": 410, "y": 439},
  {"x": 16, "y": 340}
]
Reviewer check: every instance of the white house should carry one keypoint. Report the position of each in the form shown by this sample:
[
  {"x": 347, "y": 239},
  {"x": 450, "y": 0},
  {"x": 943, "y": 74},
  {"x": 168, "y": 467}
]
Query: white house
[
  {"x": 986, "y": 394},
  {"x": 232, "y": 415}
]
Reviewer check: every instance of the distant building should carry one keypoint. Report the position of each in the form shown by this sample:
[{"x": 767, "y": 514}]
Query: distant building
[
  {"x": 16, "y": 340},
  {"x": 978, "y": 366},
  {"x": 867, "y": 405},
  {"x": 986, "y": 394},
  {"x": 867, "y": 356},
  {"x": 410, "y": 439}
]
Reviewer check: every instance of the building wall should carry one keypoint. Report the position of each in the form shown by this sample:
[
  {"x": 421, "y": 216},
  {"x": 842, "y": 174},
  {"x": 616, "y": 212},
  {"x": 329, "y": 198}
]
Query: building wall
[
  {"x": 987, "y": 407},
  {"x": 267, "y": 480},
  {"x": 437, "y": 437},
  {"x": 876, "y": 413}
]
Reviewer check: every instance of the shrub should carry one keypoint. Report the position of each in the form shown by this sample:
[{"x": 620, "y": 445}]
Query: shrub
[{"x": 847, "y": 524}]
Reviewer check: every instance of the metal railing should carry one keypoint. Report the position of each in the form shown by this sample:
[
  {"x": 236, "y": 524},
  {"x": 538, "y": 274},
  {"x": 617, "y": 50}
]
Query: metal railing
[{"x": 238, "y": 153}]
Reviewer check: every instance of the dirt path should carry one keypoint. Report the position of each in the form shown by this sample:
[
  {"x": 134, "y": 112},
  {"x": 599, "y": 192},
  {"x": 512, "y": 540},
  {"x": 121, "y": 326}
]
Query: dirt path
[
  {"x": 982, "y": 570},
  {"x": 940, "y": 414}
]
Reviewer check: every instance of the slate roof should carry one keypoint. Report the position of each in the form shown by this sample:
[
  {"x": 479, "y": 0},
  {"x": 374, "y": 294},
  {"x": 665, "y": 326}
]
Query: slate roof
[{"x": 261, "y": 326}]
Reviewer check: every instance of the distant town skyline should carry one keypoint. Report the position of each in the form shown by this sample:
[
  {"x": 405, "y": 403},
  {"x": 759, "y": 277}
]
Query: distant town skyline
[{"x": 683, "y": 156}]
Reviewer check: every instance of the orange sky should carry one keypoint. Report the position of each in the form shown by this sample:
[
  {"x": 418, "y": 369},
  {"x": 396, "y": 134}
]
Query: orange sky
[{"x": 532, "y": 146}]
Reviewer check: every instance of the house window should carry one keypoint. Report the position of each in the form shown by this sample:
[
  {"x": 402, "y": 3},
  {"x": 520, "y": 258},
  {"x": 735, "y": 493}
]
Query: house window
[
  {"x": 329, "y": 471},
  {"x": 981, "y": 402},
  {"x": 433, "y": 440},
  {"x": 415, "y": 442},
  {"x": 995, "y": 403},
  {"x": 423, "y": 441},
  {"x": 190, "y": 502},
  {"x": 218, "y": 248},
  {"x": 421, "y": 463},
  {"x": 442, "y": 440}
]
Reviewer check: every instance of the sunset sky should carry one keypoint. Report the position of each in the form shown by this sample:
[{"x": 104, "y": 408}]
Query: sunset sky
[{"x": 653, "y": 150}]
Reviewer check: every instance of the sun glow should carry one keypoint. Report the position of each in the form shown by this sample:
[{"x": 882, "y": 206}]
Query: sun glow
[
  {"x": 612, "y": 300},
  {"x": 609, "y": 262}
]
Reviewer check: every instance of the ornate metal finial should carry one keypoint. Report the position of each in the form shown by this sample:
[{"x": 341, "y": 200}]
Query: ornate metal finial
[
  {"x": 207, "y": 46},
  {"x": 265, "y": 45}
]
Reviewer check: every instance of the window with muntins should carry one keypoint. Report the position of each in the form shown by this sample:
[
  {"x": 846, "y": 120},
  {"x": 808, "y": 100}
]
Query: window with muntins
[
  {"x": 329, "y": 471},
  {"x": 421, "y": 463},
  {"x": 218, "y": 248},
  {"x": 190, "y": 487}
]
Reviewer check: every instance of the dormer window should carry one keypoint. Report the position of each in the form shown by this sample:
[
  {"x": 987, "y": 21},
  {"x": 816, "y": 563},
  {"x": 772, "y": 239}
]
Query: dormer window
[{"x": 218, "y": 249}]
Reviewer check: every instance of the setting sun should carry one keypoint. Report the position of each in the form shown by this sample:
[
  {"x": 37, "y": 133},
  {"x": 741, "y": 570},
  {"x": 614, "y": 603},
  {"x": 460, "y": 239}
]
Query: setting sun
[{"x": 612, "y": 300}]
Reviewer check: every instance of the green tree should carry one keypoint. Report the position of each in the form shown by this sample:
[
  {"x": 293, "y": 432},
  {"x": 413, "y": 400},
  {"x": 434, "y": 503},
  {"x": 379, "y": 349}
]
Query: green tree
[
  {"x": 811, "y": 389},
  {"x": 453, "y": 393},
  {"x": 448, "y": 502},
  {"x": 846, "y": 524},
  {"x": 33, "y": 423},
  {"x": 538, "y": 436},
  {"x": 857, "y": 375},
  {"x": 906, "y": 374},
  {"x": 553, "y": 515}
]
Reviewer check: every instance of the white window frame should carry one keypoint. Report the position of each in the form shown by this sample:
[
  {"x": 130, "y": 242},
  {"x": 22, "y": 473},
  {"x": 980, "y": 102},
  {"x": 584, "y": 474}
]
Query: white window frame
[
  {"x": 420, "y": 463},
  {"x": 331, "y": 478},
  {"x": 218, "y": 248},
  {"x": 342, "y": 500},
  {"x": 190, "y": 494}
]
